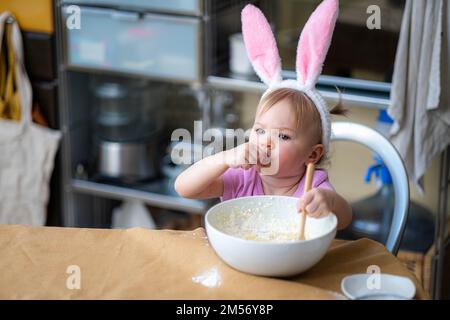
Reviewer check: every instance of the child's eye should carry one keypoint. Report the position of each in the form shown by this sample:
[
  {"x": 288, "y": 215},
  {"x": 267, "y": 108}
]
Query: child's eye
[
  {"x": 260, "y": 131},
  {"x": 284, "y": 136}
]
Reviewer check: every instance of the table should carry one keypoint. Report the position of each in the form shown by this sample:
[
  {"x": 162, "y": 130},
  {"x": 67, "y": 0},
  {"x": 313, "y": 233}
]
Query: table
[{"x": 137, "y": 263}]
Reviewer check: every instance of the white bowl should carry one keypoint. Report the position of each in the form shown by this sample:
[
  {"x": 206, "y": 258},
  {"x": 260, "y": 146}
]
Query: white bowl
[
  {"x": 368, "y": 286},
  {"x": 229, "y": 222}
]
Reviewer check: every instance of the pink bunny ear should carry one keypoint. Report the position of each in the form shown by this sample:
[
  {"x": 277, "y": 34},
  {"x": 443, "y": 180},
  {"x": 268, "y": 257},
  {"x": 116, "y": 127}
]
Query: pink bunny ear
[
  {"x": 260, "y": 44},
  {"x": 314, "y": 42}
]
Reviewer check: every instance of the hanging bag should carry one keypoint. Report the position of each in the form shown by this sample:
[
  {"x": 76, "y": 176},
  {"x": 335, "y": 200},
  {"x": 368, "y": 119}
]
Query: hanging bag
[{"x": 27, "y": 150}]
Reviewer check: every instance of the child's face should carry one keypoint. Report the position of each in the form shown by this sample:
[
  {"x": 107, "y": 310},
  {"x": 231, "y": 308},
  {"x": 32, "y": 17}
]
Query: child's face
[{"x": 289, "y": 147}]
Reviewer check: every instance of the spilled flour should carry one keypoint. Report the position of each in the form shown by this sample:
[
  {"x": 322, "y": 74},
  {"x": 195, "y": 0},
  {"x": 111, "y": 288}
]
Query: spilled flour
[{"x": 210, "y": 278}]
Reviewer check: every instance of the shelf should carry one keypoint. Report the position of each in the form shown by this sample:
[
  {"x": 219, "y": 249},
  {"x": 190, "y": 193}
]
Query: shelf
[
  {"x": 159, "y": 194},
  {"x": 350, "y": 97}
]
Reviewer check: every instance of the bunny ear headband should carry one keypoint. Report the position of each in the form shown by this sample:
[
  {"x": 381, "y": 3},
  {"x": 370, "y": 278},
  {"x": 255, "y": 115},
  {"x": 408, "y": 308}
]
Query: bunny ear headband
[{"x": 312, "y": 48}]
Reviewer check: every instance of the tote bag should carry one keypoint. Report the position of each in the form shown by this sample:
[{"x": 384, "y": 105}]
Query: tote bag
[{"x": 27, "y": 150}]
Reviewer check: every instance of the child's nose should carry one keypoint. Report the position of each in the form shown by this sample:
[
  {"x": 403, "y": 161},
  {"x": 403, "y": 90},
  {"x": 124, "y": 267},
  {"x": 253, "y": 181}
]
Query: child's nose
[
  {"x": 272, "y": 139},
  {"x": 266, "y": 142}
]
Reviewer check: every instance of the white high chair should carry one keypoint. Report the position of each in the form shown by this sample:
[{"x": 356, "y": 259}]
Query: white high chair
[{"x": 375, "y": 141}]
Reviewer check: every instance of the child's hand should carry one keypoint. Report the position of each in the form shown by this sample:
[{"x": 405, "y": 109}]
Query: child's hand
[
  {"x": 317, "y": 202},
  {"x": 246, "y": 156}
]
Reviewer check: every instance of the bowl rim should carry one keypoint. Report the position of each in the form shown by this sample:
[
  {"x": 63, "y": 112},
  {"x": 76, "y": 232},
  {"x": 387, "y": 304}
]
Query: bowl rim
[
  {"x": 265, "y": 243},
  {"x": 389, "y": 277}
]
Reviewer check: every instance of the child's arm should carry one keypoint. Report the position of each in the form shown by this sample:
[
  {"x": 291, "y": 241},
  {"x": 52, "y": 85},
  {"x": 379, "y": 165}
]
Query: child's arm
[
  {"x": 320, "y": 202},
  {"x": 203, "y": 179}
]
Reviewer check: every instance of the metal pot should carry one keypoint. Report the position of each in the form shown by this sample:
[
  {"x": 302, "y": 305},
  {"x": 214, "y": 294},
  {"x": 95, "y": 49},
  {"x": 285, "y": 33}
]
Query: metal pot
[
  {"x": 128, "y": 161},
  {"x": 127, "y": 122}
]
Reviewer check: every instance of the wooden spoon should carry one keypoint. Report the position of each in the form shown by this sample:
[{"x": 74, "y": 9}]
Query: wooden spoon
[{"x": 306, "y": 188}]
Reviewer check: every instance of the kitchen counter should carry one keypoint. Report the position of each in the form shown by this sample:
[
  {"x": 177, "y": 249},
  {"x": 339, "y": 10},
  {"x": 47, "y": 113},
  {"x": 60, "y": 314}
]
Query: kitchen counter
[{"x": 77, "y": 263}]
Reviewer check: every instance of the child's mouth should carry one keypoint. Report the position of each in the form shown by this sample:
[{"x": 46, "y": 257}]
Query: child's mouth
[{"x": 264, "y": 159}]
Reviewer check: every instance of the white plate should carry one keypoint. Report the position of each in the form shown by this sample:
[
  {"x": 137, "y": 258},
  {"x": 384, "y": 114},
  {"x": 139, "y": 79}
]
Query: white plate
[{"x": 386, "y": 287}]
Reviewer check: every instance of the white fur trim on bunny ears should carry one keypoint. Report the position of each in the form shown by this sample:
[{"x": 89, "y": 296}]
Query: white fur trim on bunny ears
[{"x": 312, "y": 48}]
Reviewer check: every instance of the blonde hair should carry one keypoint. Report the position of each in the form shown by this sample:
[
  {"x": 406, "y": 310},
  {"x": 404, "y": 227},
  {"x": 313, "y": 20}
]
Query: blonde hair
[{"x": 304, "y": 109}]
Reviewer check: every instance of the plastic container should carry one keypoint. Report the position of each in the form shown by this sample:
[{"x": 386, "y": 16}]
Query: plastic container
[
  {"x": 373, "y": 215},
  {"x": 156, "y": 45},
  {"x": 173, "y": 6}
]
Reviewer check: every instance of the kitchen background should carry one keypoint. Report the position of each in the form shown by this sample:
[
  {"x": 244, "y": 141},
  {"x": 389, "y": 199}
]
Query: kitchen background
[{"x": 117, "y": 97}]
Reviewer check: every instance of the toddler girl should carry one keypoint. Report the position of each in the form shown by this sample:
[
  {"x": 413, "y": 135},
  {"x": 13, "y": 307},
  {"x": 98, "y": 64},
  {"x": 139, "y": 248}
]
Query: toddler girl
[{"x": 291, "y": 127}]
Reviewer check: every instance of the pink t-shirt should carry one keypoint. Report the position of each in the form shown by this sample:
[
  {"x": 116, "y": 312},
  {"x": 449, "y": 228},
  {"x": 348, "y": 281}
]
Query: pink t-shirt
[{"x": 241, "y": 183}]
